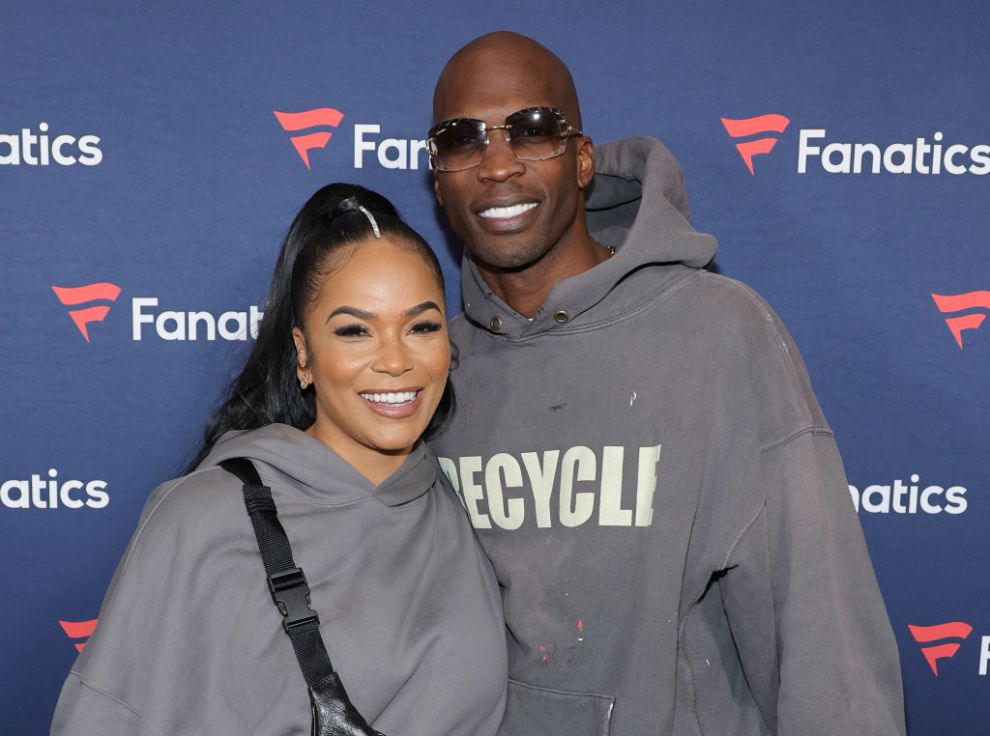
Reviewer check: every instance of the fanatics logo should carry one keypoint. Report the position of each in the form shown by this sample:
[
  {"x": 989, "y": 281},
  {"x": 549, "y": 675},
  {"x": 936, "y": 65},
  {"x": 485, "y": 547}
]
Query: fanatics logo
[
  {"x": 370, "y": 144},
  {"x": 294, "y": 121},
  {"x": 770, "y": 123},
  {"x": 959, "y": 303},
  {"x": 168, "y": 324},
  {"x": 79, "y": 630},
  {"x": 927, "y": 634},
  {"x": 73, "y": 296},
  {"x": 929, "y": 155}
]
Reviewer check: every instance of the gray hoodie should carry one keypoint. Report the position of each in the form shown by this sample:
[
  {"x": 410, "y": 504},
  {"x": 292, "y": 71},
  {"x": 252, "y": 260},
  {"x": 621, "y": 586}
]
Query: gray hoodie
[
  {"x": 189, "y": 641},
  {"x": 648, "y": 468}
]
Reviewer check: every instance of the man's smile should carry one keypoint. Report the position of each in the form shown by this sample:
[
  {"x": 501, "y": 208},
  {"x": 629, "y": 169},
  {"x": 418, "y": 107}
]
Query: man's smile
[{"x": 506, "y": 212}]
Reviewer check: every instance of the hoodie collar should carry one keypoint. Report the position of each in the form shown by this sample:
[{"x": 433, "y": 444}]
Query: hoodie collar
[{"x": 284, "y": 454}]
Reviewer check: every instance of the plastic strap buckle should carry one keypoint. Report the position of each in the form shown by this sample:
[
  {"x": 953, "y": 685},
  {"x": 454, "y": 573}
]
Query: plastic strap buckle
[{"x": 291, "y": 594}]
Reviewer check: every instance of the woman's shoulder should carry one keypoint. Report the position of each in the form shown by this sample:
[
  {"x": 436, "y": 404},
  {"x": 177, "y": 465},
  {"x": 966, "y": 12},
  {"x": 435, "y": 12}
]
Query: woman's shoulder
[
  {"x": 185, "y": 522},
  {"x": 205, "y": 498}
]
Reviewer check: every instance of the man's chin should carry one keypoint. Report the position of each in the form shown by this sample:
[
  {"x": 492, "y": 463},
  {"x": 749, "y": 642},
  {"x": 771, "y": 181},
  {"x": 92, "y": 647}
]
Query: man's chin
[{"x": 507, "y": 261}]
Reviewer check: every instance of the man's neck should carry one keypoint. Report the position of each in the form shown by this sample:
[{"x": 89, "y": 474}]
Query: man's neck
[{"x": 527, "y": 289}]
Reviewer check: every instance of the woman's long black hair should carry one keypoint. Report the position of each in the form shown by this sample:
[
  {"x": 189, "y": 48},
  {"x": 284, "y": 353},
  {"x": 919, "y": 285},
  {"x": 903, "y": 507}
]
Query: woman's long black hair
[{"x": 267, "y": 390}]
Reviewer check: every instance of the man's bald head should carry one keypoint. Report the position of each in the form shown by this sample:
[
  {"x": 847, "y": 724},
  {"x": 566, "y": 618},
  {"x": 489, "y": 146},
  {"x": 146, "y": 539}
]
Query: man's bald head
[
  {"x": 521, "y": 219},
  {"x": 504, "y": 65}
]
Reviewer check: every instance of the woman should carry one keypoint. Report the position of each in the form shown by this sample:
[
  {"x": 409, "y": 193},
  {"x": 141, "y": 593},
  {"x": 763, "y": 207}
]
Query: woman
[{"x": 349, "y": 367}]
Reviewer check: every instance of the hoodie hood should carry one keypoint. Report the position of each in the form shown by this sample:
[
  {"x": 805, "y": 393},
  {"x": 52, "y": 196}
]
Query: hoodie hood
[
  {"x": 635, "y": 171},
  {"x": 636, "y": 203},
  {"x": 290, "y": 457}
]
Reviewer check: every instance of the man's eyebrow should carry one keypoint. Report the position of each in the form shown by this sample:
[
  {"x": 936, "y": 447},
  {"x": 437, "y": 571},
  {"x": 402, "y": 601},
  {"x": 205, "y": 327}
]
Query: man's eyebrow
[{"x": 424, "y": 307}]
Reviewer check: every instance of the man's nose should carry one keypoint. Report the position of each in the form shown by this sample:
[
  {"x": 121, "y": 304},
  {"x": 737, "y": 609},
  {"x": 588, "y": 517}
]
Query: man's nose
[{"x": 498, "y": 161}]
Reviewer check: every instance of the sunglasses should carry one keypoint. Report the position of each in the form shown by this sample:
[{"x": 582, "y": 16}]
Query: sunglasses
[{"x": 533, "y": 134}]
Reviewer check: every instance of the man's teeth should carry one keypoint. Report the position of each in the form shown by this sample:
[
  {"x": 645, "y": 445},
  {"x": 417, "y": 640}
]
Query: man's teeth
[
  {"x": 513, "y": 210},
  {"x": 399, "y": 397}
]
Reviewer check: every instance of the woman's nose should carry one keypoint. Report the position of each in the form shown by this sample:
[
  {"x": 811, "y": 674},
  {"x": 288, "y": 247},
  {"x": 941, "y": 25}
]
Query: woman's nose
[{"x": 393, "y": 358}]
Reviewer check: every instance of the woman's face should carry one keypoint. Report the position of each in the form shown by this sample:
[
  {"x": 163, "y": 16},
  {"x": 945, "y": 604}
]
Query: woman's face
[{"x": 376, "y": 350}]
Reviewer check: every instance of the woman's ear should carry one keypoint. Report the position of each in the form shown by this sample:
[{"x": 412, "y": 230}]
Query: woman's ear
[{"x": 302, "y": 357}]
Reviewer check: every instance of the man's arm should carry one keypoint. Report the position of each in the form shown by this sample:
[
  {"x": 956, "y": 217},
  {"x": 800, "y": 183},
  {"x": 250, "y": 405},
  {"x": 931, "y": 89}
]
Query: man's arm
[{"x": 838, "y": 671}]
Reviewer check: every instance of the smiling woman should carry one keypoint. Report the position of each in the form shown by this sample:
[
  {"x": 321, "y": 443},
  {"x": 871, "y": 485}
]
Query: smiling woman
[
  {"x": 373, "y": 343},
  {"x": 348, "y": 373}
]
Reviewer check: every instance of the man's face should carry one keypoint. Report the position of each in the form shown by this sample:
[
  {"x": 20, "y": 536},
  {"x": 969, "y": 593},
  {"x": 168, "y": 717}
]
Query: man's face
[{"x": 508, "y": 212}]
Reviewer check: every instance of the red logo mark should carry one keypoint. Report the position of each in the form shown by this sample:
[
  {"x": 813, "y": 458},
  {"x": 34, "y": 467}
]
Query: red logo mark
[
  {"x": 951, "y": 630},
  {"x": 78, "y": 630},
  {"x": 82, "y": 294},
  {"x": 959, "y": 302},
  {"x": 293, "y": 121},
  {"x": 772, "y": 123}
]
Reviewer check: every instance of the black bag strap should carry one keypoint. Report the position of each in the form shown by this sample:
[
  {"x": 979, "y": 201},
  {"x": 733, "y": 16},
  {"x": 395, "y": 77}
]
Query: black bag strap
[
  {"x": 332, "y": 712},
  {"x": 286, "y": 582}
]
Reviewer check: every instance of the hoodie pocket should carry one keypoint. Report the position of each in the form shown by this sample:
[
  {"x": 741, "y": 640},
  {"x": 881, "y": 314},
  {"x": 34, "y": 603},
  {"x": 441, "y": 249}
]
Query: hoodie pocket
[{"x": 537, "y": 711}]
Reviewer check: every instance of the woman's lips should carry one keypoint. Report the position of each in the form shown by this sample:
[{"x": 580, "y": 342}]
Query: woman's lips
[{"x": 392, "y": 404}]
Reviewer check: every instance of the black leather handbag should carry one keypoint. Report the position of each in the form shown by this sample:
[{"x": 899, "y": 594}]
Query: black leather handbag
[{"x": 332, "y": 711}]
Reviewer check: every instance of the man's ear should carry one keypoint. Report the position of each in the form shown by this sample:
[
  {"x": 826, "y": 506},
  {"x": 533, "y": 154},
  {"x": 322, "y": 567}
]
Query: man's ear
[
  {"x": 436, "y": 189},
  {"x": 585, "y": 161}
]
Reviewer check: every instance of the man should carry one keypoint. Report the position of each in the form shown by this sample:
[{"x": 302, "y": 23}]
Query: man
[{"x": 637, "y": 443}]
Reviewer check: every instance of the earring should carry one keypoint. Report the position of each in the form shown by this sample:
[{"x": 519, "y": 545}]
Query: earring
[{"x": 303, "y": 383}]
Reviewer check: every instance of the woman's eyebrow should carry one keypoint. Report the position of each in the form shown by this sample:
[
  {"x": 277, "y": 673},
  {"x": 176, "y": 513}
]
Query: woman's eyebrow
[
  {"x": 366, "y": 315},
  {"x": 353, "y": 311},
  {"x": 420, "y": 308}
]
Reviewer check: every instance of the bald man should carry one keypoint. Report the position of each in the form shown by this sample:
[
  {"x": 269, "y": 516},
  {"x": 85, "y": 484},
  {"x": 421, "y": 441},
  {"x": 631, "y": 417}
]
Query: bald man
[{"x": 637, "y": 443}]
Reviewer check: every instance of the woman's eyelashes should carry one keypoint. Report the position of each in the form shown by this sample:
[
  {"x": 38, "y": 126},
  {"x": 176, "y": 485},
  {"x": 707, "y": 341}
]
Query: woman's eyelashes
[
  {"x": 351, "y": 330},
  {"x": 427, "y": 326},
  {"x": 356, "y": 329}
]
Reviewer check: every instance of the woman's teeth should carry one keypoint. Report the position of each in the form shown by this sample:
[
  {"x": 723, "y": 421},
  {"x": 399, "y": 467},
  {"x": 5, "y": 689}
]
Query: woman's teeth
[
  {"x": 513, "y": 210},
  {"x": 399, "y": 397}
]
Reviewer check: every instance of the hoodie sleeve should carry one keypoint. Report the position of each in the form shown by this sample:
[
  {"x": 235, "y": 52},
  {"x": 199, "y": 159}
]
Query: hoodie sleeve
[
  {"x": 836, "y": 669},
  {"x": 84, "y": 710},
  {"x": 100, "y": 695},
  {"x": 143, "y": 617}
]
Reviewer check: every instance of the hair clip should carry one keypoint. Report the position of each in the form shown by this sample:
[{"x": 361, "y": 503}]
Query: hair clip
[{"x": 371, "y": 219}]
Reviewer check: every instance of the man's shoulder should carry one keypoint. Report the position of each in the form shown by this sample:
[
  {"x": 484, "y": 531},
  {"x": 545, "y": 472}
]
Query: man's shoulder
[
  {"x": 718, "y": 291},
  {"x": 704, "y": 305},
  {"x": 752, "y": 330}
]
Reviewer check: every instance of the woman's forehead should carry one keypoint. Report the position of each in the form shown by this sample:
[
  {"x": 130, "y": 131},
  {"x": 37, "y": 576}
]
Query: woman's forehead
[{"x": 386, "y": 276}]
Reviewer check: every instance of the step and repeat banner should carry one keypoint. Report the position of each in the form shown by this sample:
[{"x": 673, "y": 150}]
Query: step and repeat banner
[{"x": 152, "y": 156}]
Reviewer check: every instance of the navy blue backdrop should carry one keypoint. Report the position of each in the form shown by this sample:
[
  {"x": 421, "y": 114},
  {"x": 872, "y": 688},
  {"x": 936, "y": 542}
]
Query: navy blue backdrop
[{"x": 838, "y": 150}]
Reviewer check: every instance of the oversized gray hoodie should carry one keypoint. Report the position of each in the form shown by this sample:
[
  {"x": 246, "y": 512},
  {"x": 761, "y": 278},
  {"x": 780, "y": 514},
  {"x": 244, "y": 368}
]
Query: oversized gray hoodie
[
  {"x": 190, "y": 643},
  {"x": 648, "y": 469}
]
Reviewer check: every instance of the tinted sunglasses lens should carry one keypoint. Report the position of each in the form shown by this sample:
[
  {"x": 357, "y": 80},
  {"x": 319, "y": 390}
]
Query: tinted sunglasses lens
[
  {"x": 536, "y": 134},
  {"x": 460, "y": 145}
]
